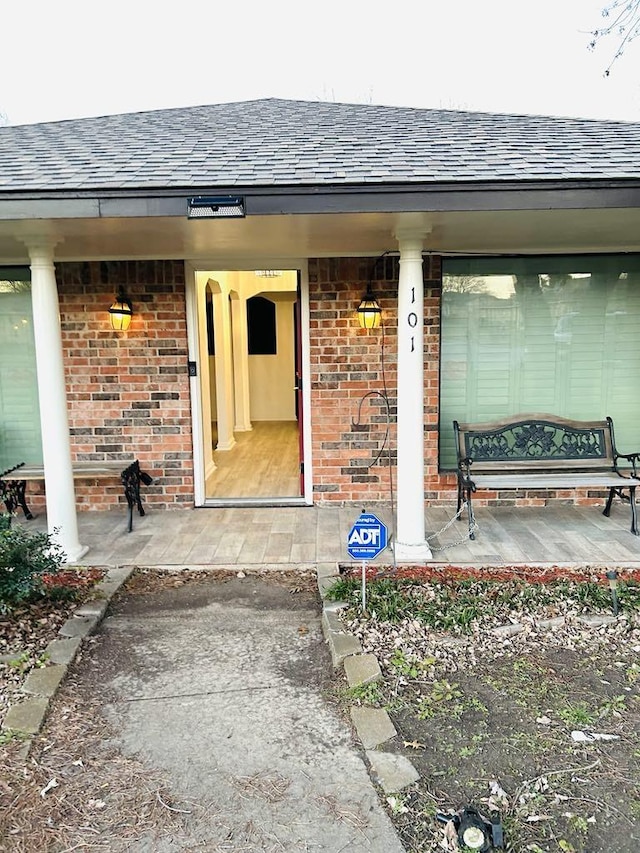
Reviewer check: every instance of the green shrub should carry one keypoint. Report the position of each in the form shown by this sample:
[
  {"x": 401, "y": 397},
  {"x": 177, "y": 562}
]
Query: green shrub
[{"x": 25, "y": 558}]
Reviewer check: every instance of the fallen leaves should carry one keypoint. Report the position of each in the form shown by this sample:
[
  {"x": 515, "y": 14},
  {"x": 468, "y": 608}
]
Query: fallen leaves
[{"x": 24, "y": 637}]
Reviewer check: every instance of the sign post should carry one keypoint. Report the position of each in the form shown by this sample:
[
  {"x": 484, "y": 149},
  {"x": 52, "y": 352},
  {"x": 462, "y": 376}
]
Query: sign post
[{"x": 367, "y": 538}]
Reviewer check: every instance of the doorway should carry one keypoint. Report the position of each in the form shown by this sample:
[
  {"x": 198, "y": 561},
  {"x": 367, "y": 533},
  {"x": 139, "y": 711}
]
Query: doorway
[{"x": 251, "y": 386}]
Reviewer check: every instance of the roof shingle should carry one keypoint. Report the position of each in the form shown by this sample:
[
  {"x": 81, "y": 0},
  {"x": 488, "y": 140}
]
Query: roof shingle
[{"x": 276, "y": 142}]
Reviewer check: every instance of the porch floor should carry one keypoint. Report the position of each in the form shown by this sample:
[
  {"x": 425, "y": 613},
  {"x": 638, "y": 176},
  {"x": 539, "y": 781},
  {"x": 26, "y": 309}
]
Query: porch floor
[{"x": 276, "y": 536}]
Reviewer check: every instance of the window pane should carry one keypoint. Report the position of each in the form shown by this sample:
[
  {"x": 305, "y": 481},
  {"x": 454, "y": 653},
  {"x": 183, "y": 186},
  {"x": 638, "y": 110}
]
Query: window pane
[
  {"x": 261, "y": 326},
  {"x": 20, "y": 437},
  {"x": 555, "y": 335}
]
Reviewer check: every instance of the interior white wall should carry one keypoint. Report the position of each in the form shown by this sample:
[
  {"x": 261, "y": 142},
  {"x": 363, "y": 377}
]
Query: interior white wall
[{"x": 272, "y": 377}]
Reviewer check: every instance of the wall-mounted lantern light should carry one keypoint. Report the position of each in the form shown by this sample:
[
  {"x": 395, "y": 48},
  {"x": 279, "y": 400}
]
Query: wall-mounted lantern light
[
  {"x": 121, "y": 312},
  {"x": 216, "y": 207},
  {"x": 369, "y": 311}
]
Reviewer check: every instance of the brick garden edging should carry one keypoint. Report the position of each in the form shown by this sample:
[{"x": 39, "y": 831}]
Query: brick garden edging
[
  {"x": 28, "y": 715},
  {"x": 373, "y": 725}
]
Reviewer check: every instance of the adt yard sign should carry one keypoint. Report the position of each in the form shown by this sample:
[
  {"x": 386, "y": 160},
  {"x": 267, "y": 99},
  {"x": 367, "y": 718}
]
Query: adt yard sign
[{"x": 367, "y": 537}]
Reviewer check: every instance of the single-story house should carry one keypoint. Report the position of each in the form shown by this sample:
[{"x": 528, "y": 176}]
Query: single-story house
[{"x": 239, "y": 240}]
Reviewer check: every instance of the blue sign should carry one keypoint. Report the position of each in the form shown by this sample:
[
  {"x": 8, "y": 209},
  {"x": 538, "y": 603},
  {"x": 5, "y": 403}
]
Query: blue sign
[{"x": 367, "y": 537}]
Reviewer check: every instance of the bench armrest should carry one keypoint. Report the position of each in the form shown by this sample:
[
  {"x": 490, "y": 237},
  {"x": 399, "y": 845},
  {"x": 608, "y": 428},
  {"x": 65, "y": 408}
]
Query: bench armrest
[
  {"x": 634, "y": 458},
  {"x": 464, "y": 467},
  {"x": 5, "y": 474}
]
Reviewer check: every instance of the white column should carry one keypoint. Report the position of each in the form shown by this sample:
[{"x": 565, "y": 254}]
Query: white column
[
  {"x": 201, "y": 385},
  {"x": 224, "y": 370},
  {"x": 241, "y": 364},
  {"x": 411, "y": 544},
  {"x": 62, "y": 520}
]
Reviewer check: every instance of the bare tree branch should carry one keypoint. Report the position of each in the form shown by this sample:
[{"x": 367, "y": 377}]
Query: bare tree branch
[{"x": 622, "y": 23}]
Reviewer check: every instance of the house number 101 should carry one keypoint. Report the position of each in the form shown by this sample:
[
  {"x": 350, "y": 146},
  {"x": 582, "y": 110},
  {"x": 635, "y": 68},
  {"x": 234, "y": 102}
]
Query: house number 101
[{"x": 412, "y": 319}]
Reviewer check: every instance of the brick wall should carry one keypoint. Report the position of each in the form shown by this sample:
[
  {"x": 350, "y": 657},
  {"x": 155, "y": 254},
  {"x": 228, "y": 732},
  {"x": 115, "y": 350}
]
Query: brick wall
[
  {"x": 127, "y": 392},
  {"x": 346, "y": 364}
]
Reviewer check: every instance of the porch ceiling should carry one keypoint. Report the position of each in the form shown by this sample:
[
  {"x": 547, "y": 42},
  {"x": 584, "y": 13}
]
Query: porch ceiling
[{"x": 330, "y": 234}]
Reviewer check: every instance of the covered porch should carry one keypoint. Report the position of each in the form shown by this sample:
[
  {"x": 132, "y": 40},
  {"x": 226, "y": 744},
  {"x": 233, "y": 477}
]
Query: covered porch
[
  {"x": 303, "y": 536},
  {"x": 156, "y": 215}
]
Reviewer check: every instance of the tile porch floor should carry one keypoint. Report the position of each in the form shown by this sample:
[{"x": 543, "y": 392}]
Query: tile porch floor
[{"x": 275, "y": 536}]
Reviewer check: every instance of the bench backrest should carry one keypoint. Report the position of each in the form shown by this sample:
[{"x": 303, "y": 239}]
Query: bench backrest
[{"x": 535, "y": 442}]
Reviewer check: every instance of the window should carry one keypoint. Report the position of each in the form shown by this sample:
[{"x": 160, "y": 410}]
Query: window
[
  {"x": 261, "y": 326},
  {"x": 20, "y": 436},
  {"x": 544, "y": 334},
  {"x": 211, "y": 338}
]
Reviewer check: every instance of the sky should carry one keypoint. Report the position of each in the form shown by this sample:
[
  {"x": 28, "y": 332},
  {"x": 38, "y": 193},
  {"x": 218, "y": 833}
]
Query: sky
[{"x": 75, "y": 58}]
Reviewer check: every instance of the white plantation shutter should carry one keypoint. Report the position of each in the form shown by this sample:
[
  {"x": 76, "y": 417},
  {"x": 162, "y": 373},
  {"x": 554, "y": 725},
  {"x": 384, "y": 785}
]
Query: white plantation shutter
[
  {"x": 20, "y": 437},
  {"x": 547, "y": 334}
]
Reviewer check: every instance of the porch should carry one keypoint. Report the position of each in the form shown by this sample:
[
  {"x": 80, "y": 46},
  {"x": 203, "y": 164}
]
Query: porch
[{"x": 304, "y": 536}]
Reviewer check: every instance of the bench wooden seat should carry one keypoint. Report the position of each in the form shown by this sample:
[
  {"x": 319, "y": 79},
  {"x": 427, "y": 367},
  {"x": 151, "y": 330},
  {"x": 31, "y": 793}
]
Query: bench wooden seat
[
  {"x": 543, "y": 452},
  {"x": 81, "y": 470}
]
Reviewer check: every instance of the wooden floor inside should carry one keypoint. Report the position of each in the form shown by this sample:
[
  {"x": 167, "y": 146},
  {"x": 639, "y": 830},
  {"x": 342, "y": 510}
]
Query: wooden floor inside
[{"x": 263, "y": 464}]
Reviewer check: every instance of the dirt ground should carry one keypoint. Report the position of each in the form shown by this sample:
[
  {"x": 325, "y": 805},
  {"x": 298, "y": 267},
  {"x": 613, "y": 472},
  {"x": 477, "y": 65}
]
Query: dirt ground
[
  {"x": 561, "y": 795},
  {"x": 513, "y": 723}
]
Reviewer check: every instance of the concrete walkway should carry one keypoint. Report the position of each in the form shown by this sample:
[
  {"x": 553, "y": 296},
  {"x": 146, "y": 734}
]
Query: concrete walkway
[{"x": 222, "y": 686}]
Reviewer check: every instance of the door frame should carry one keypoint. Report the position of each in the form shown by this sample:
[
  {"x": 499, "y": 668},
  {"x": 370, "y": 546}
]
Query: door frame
[{"x": 193, "y": 355}]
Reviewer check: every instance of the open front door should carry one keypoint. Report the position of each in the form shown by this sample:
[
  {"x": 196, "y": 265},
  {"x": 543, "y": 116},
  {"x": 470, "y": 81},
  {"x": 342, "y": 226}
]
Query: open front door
[
  {"x": 297, "y": 328},
  {"x": 254, "y": 392}
]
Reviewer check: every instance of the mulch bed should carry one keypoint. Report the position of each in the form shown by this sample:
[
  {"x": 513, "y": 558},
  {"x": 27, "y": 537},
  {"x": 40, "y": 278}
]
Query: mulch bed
[
  {"x": 542, "y": 573},
  {"x": 26, "y": 631}
]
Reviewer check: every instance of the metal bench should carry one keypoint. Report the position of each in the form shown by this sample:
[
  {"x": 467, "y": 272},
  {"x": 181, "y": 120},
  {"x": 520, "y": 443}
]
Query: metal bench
[
  {"x": 542, "y": 452},
  {"x": 12, "y": 491}
]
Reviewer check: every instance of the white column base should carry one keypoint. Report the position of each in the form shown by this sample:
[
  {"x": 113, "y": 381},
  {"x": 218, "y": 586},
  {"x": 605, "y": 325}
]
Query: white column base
[
  {"x": 419, "y": 553},
  {"x": 76, "y": 555},
  {"x": 243, "y": 428},
  {"x": 226, "y": 445}
]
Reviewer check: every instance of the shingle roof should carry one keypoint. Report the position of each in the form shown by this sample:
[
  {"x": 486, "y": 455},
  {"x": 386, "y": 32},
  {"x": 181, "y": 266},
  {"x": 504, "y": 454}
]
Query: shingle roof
[{"x": 282, "y": 143}]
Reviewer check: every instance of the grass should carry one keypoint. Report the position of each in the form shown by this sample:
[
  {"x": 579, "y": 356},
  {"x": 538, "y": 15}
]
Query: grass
[{"x": 457, "y": 605}]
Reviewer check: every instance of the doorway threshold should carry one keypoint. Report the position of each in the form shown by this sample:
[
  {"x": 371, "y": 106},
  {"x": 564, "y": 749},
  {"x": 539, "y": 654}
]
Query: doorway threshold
[{"x": 250, "y": 502}]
